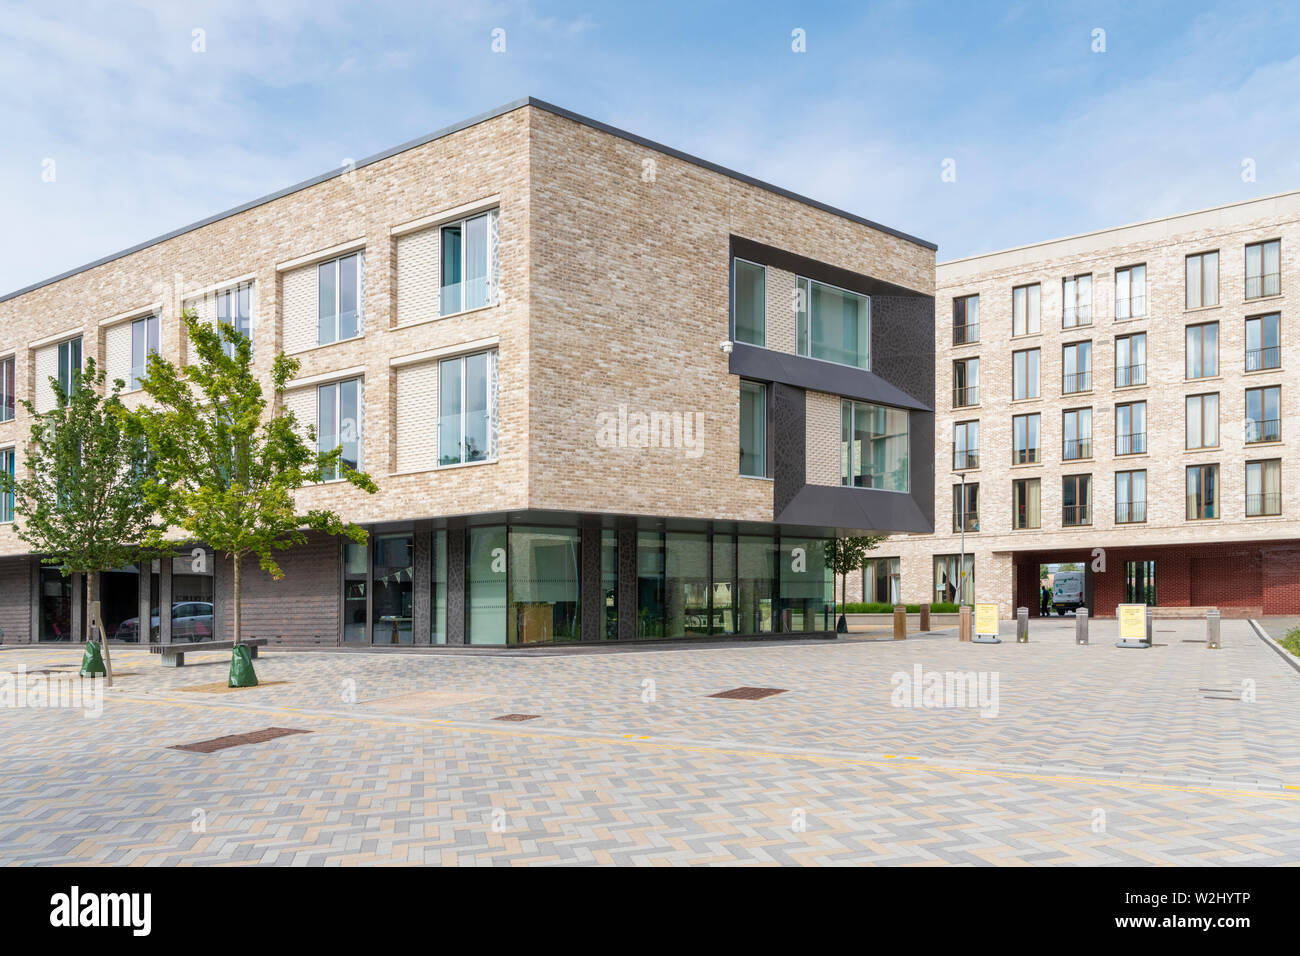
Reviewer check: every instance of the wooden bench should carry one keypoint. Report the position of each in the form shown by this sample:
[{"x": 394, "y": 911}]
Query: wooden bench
[{"x": 173, "y": 655}]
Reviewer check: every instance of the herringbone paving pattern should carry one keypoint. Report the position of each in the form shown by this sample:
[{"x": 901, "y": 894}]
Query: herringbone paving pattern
[{"x": 1096, "y": 755}]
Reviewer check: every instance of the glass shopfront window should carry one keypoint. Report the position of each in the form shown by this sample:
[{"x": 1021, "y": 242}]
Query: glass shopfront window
[
  {"x": 193, "y": 596},
  {"x": 356, "y": 576},
  {"x": 650, "y": 584},
  {"x": 544, "y": 571},
  {"x": 723, "y": 620},
  {"x": 806, "y": 586},
  {"x": 119, "y": 598},
  {"x": 392, "y": 574},
  {"x": 486, "y": 585},
  {"x": 756, "y": 560},
  {"x": 56, "y": 606},
  {"x": 609, "y": 583},
  {"x": 686, "y": 584}
]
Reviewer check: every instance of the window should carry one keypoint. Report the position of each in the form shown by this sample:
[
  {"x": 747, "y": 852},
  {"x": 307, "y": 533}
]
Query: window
[
  {"x": 69, "y": 363},
  {"x": 1140, "y": 582},
  {"x": 966, "y": 511},
  {"x": 1131, "y": 428},
  {"x": 467, "y": 408},
  {"x": 873, "y": 446},
  {"x": 966, "y": 382},
  {"x": 1264, "y": 487},
  {"x": 1076, "y": 500},
  {"x": 1131, "y": 360},
  {"x": 1264, "y": 269},
  {"x": 834, "y": 325},
  {"x": 1077, "y": 434},
  {"x": 1203, "y": 350},
  {"x": 1026, "y": 504},
  {"x": 466, "y": 264},
  {"x": 881, "y": 580},
  {"x": 1131, "y": 292},
  {"x": 1024, "y": 373},
  {"x": 1024, "y": 433},
  {"x": 544, "y": 572},
  {"x": 965, "y": 319},
  {"x": 1076, "y": 309},
  {"x": 392, "y": 590},
  {"x": 1263, "y": 342},
  {"x": 748, "y": 302},
  {"x": 7, "y": 388},
  {"x": 144, "y": 340},
  {"x": 1263, "y": 414},
  {"x": 966, "y": 446},
  {"x": 1025, "y": 306},
  {"x": 235, "y": 308},
  {"x": 1202, "y": 280},
  {"x": 1130, "y": 497},
  {"x": 952, "y": 585},
  {"x": 338, "y": 413},
  {"x": 1203, "y": 421},
  {"x": 1202, "y": 492},
  {"x": 753, "y": 429},
  {"x": 1076, "y": 374},
  {"x": 340, "y": 294},
  {"x": 7, "y": 500}
]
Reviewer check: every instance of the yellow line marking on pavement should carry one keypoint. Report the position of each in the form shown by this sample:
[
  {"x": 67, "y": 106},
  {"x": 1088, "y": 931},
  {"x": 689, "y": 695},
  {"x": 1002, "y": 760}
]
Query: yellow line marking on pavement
[{"x": 627, "y": 740}]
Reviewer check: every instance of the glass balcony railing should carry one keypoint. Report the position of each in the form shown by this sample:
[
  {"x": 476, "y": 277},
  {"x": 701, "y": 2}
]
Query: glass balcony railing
[{"x": 463, "y": 296}]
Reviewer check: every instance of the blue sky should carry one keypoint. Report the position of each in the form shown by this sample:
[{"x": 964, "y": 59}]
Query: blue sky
[{"x": 1048, "y": 137}]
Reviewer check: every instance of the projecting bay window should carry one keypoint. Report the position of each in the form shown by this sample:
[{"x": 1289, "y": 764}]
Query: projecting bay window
[
  {"x": 753, "y": 429},
  {"x": 965, "y": 320},
  {"x": 1131, "y": 428},
  {"x": 965, "y": 382},
  {"x": 340, "y": 294},
  {"x": 7, "y": 366},
  {"x": 1026, "y": 301},
  {"x": 833, "y": 324},
  {"x": 1131, "y": 292},
  {"x": 1076, "y": 366},
  {"x": 1024, "y": 373},
  {"x": 338, "y": 424},
  {"x": 1203, "y": 421},
  {"x": 1203, "y": 350},
  {"x": 1024, "y": 436},
  {"x": 1026, "y": 504},
  {"x": 1077, "y": 431},
  {"x": 1202, "y": 280},
  {"x": 468, "y": 266},
  {"x": 1263, "y": 488},
  {"x": 1263, "y": 414},
  {"x": 1076, "y": 501},
  {"x": 966, "y": 511},
  {"x": 1131, "y": 360},
  {"x": 873, "y": 446},
  {"x": 1130, "y": 497},
  {"x": 1202, "y": 492},
  {"x": 144, "y": 342},
  {"x": 467, "y": 409},
  {"x": 1263, "y": 342},
  {"x": 748, "y": 302},
  {"x": 1264, "y": 269},
  {"x": 1076, "y": 309}
]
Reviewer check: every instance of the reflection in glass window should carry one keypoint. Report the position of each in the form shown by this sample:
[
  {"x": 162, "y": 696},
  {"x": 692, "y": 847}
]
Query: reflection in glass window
[
  {"x": 748, "y": 303},
  {"x": 873, "y": 446},
  {"x": 833, "y": 324},
  {"x": 544, "y": 572}
]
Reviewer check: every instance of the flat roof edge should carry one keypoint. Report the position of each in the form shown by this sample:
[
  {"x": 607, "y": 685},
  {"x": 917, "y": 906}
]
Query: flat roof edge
[{"x": 447, "y": 131}]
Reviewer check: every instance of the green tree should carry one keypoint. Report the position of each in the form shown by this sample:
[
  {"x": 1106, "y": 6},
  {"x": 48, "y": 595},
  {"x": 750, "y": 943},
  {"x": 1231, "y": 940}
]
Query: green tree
[
  {"x": 82, "y": 502},
  {"x": 225, "y": 467},
  {"x": 846, "y": 555}
]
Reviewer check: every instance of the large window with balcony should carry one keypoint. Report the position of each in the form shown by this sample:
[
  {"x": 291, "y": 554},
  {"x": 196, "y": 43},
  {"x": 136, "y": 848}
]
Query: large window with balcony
[
  {"x": 753, "y": 429},
  {"x": 1202, "y": 492},
  {"x": 1202, "y": 280},
  {"x": 965, "y": 319},
  {"x": 1131, "y": 428},
  {"x": 1025, "y": 439},
  {"x": 1026, "y": 304},
  {"x": 1263, "y": 342},
  {"x": 338, "y": 424},
  {"x": 467, "y": 409},
  {"x": 1076, "y": 367},
  {"x": 1131, "y": 360},
  {"x": 339, "y": 298},
  {"x": 1264, "y": 487},
  {"x": 1264, "y": 269},
  {"x": 873, "y": 446},
  {"x": 1130, "y": 497},
  {"x": 966, "y": 507},
  {"x": 965, "y": 382},
  {"x": 1026, "y": 504},
  {"x": 1203, "y": 350},
  {"x": 1131, "y": 292},
  {"x": 748, "y": 302},
  {"x": 7, "y": 393},
  {"x": 1077, "y": 434},
  {"x": 965, "y": 445},
  {"x": 466, "y": 264},
  {"x": 1024, "y": 373},
  {"x": 144, "y": 342},
  {"x": 1076, "y": 299},
  {"x": 1263, "y": 414},
  {"x": 1076, "y": 501},
  {"x": 1203, "y": 421},
  {"x": 833, "y": 324}
]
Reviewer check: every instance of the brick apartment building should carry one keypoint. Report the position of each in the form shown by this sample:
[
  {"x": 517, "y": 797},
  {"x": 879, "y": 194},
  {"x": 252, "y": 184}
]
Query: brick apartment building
[
  {"x": 1121, "y": 399},
  {"x": 600, "y": 384}
]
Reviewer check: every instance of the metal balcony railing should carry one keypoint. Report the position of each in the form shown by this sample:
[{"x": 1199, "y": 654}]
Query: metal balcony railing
[
  {"x": 971, "y": 519},
  {"x": 1074, "y": 315},
  {"x": 1131, "y": 443},
  {"x": 1130, "y": 512},
  {"x": 1268, "y": 357},
  {"x": 1270, "y": 504},
  {"x": 965, "y": 459},
  {"x": 1257, "y": 287},
  {"x": 1024, "y": 456},
  {"x": 965, "y": 334},
  {"x": 1133, "y": 307},
  {"x": 1072, "y": 516},
  {"x": 1077, "y": 382},
  {"x": 964, "y": 395},
  {"x": 1077, "y": 448},
  {"x": 1263, "y": 429},
  {"x": 1126, "y": 375}
]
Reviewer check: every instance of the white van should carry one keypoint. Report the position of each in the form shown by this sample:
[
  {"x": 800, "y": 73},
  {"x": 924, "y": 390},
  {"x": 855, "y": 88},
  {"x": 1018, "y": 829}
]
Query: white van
[{"x": 1067, "y": 591}]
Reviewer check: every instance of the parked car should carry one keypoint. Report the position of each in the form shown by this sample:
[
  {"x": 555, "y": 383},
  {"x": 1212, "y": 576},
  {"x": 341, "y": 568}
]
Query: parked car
[
  {"x": 1067, "y": 591},
  {"x": 191, "y": 621}
]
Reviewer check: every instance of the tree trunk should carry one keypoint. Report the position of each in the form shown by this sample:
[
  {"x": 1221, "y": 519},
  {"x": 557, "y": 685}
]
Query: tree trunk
[
  {"x": 238, "y": 584},
  {"x": 90, "y": 626}
]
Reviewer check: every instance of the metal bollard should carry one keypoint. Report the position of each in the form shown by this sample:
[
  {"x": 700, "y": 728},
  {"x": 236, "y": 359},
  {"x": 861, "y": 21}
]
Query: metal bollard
[
  {"x": 1212, "y": 629},
  {"x": 1022, "y": 625},
  {"x": 925, "y": 617},
  {"x": 1081, "y": 626},
  {"x": 963, "y": 624},
  {"x": 900, "y": 622}
]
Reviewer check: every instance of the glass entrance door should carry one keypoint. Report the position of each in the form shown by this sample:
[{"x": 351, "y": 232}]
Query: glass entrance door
[{"x": 1140, "y": 582}]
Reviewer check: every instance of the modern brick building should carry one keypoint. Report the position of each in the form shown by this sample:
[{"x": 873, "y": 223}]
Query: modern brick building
[
  {"x": 1121, "y": 399},
  {"x": 600, "y": 384}
]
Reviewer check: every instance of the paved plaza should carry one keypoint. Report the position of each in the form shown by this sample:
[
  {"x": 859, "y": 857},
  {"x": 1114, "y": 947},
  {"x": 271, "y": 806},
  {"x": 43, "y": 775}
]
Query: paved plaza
[{"x": 1068, "y": 755}]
